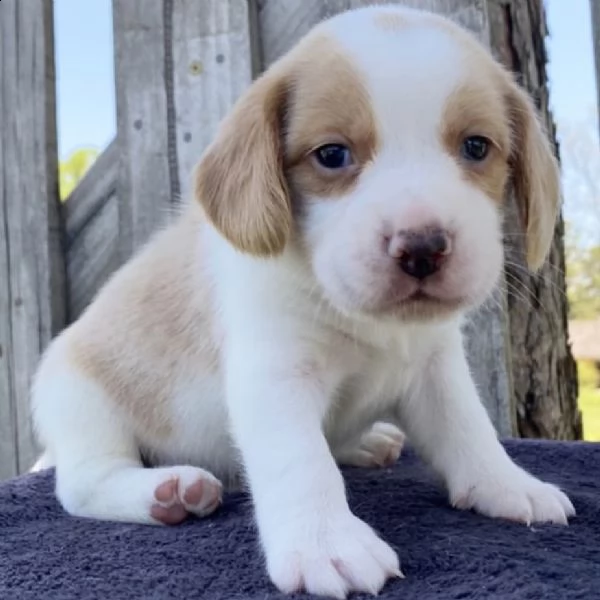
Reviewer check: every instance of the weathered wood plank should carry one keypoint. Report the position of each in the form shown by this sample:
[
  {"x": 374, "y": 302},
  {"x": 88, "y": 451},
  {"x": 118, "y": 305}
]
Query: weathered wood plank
[
  {"x": 488, "y": 351},
  {"x": 281, "y": 23},
  {"x": 211, "y": 68},
  {"x": 32, "y": 292},
  {"x": 91, "y": 215},
  {"x": 92, "y": 192},
  {"x": 180, "y": 64},
  {"x": 144, "y": 178},
  {"x": 92, "y": 257}
]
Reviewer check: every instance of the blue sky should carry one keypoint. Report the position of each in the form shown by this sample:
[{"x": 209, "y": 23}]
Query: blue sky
[
  {"x": 571, "y": 61},
  {"x": 86, "y": 105},
  {"x": 85, "y": 74}
]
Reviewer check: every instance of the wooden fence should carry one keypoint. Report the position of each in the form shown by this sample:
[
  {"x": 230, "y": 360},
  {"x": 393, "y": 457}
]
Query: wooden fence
[{"x": 180, "y": 64}]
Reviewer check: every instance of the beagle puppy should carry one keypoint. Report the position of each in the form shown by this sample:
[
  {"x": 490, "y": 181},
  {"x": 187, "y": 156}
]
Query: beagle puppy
[{"x": 304, "y": 309}]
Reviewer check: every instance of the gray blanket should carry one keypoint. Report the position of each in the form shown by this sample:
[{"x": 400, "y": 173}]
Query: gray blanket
[{"x": 445, "y": 553}]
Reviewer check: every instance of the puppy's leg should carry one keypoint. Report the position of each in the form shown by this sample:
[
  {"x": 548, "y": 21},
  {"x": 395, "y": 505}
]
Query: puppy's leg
[
  {"x": 98, "y": 469},
  {"x": 311, "y": 539},
  {"x": 379, "y": 446},
  {"x": 447, "y": 422}
]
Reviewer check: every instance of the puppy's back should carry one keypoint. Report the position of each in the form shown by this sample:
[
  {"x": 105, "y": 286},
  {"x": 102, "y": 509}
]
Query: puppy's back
[{"x": 149, "y": 328}]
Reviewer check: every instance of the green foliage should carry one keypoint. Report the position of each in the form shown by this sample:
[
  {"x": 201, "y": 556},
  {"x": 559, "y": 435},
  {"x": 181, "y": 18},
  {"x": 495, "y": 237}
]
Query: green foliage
[
  {"x": 587, "y": 374},
  {"x": 72, "y": 169},
  {"x": 589, "y": 400},
  {"x": 589, "y": 404},
  {"x": 580, "y": 166},
  {"x": 583, "y": 281}
]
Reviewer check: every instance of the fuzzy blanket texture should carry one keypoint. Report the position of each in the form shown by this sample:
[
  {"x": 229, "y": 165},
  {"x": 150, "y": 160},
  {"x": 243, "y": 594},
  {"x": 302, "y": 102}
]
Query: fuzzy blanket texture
[{"x": 445, "y": 553}]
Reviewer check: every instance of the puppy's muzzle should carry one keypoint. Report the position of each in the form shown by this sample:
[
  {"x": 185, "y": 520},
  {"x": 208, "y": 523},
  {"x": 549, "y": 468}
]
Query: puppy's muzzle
[{"x": 420, "y": 253}]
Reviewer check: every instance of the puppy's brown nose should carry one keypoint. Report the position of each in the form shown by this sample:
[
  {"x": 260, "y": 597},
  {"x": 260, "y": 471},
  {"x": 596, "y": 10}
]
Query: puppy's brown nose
[{"x": 420, "y": 254}]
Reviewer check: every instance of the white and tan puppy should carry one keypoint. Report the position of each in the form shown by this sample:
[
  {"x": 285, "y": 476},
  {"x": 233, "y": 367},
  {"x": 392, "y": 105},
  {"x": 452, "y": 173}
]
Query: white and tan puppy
[{"x": 309, "y": 302}]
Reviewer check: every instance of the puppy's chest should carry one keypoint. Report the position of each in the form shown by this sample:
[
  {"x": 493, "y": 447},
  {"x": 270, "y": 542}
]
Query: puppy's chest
[
  {"x": 374, "y": 380},
  {"x": 380, "y": 378}
]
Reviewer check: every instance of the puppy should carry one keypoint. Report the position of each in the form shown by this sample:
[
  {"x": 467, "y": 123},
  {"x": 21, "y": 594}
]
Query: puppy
[{"x": 309, "y": 302}]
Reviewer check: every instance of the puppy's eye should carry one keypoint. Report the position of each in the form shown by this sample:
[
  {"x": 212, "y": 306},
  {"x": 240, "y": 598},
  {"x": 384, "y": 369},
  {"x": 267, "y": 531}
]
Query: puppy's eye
[
  {"x": 333, "y": 156},
  {"x": 475, "y": 148}
]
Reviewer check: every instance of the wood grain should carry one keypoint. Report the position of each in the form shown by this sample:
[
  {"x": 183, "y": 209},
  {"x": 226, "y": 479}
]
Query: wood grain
[
  {"x": 91, "y": 215},
  {"x": 180, "y": 65},
  {"x": 144, "y": 178},
  {"x": 32, "y": 289}
]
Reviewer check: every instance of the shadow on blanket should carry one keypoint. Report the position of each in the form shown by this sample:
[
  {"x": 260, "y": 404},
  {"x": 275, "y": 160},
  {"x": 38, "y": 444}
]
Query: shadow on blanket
[{"x": 445, "y": 553}]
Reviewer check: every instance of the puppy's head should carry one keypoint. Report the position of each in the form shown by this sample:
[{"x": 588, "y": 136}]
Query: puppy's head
[{"x": 379, "y": 148}]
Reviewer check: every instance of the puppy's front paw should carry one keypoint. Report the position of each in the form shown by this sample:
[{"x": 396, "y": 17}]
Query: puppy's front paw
[
  {"x": 330, "y": 557},
  {"x": 380, "y": 446},
  {"x": 517, "y": 496}
]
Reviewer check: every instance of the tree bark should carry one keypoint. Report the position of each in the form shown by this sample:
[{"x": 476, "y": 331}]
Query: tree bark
[{"x": 543, "y": 369}]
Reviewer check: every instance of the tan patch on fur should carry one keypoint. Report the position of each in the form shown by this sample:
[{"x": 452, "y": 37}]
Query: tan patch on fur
[
  {"x": 398, "y": 18},
  {"x": 149, "y": 328},
  {"x": 391, "y": 21},
  {"x": 529, "y": 156},
  {"x": 240, "y": 181},
  {"x": 328, "y": 104},
  {"x": 478, "y": 110},
  {"x": 312, "y": 96},
  {"x": 535, "y": 173}
]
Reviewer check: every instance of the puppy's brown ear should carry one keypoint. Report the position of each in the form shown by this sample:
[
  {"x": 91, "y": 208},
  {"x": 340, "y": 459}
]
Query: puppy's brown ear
[
  {"x": 240, "y": 181},
  {"x": 536, "y": 176}
]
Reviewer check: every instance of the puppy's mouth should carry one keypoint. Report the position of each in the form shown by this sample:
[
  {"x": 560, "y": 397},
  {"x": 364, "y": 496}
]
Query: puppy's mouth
[
  {"x": 426, "y": 302},
  {"x": 420, "y": 295},
  {"x": 402, "y": 300}
]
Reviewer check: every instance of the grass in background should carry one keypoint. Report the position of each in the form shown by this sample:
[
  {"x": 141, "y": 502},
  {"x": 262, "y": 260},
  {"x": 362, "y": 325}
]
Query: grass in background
[
  {"x": 589, "y": 401},
  {"x": 589, "y": 404}
]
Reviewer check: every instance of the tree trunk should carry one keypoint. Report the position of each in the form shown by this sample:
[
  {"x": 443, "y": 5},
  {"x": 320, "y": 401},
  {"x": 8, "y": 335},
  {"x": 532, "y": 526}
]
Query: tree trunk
[{"x": 543, "y": 369}]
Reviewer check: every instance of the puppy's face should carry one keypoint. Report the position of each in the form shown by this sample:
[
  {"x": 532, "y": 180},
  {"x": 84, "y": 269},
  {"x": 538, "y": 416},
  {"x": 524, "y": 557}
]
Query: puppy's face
[{"x": 380, "y": 147}]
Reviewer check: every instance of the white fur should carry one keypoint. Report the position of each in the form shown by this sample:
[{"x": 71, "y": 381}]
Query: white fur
[{"x": 311, "y": 359}]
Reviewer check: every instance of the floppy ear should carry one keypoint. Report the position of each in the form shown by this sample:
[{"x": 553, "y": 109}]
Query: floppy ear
[
  {"x": 536, "y": 176},
  {"x": 240, "y": 181}
]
